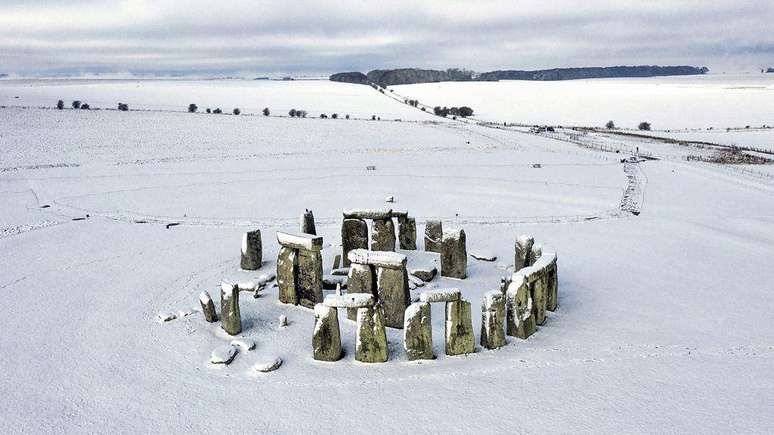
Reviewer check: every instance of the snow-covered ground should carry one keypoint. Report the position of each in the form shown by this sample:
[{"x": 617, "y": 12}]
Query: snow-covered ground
[{"x": 664, "y": 321}]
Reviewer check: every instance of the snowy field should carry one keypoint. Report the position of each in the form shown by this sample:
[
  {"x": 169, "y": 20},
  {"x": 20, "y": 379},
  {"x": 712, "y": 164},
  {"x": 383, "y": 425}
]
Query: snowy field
[
  {"x": 664, "y": 321},
  {"x": 713, "y": 100}
]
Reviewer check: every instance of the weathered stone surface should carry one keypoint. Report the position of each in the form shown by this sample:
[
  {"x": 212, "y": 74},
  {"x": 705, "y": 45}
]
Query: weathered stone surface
[
  {"x": 252, "y": 250},
  {"x": 354, "y": 300},
  {"x": 362, "y": 279},
  {"x": 459, "y": 328},
  {"x": 230, "y": 317},
  {"x": 354, "y": 235},
  {"x": 407, "y": 233},
  {"x": 268, "y": 365},
  {"x": 208, "y": 307},
  {"x": 539, "y": 291},
  {"x": 433, "y": 235},
  {"x": 504, "y": 283},
  {"x": 523, "y": 248},
  {"x": 336, "y": 262},
  {"x": 484, "y": 255},
  {"x": 426, "y": 274},
  {"x": 418, "y": 332},
  {"x": 534, "y": 254},
  {"x": 223, "y": 355},
  {"x": 519, "y": 320},
  {"x": 306, "y": 242},
  {"x": 371, "y": 344},
  {"x": 394, "y": 295},
  {"x": 307, "y": 222},
  {"x": 309, "y": 283},
  {"x": 383, "y": 235},
  {"x": 287, "y": 265},
  {"x": 440, "y": 295},
  {"x": 493, "y": 320},
  {"x": 454, "y": 255},
  {"x": 326, "y": 338},
  {"x": 367, "y": 213},
  {"x": 391, "y": 260},
  {"x": 552, "y": 302}
]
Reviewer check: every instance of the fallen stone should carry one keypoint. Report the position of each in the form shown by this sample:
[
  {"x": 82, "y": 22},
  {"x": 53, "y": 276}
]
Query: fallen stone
[
  {"x": 326, "y": 338},
  {"x": 252, "y": 250},
  {"x": 243, "y": 343},
  {"x": 493, "y": 320},
  {"x": 418, "y": 332},
  {"x": 354, "y": 235},
  {"x": 391, "y": 260},
  {"x": 483, "y": 256},
  {"x": 230, "y": 317},
  {"x": 426, "y": 274},
  {"x": 354, "y": 300},
  {"x": 367, "y": 213},
  {"x": 287, "y": 262},
  {"x": 247, "y": 286},
  {"x": 433, "y": 235},
  {"x": 223, "y": 355},
  {"x": 523, "y": 248},
  {"x": 383, "y": 235},
  {"x": 454, "y": 255},
  {"x": 268, "y": 365},
  {"x": 371, "y": 340},
  {"x": 166, "y": 317},
  {"x": 393, "y": 292},
  {"x": 307, "y": 242},
  {"x": 440, "y": 295},
  {"x": 307, "y": 223},
  {"x": 407, "y": 233},
  {"x": 459, "y": 328},
  {"x": 519, "y": 320},
  {"x": 208, "y": 307},
  {"x": 309, "y": 278}
]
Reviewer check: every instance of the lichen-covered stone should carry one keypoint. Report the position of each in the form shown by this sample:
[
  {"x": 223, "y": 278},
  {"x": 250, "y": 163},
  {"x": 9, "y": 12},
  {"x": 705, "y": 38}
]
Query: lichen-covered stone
[
  {"x": 426, "y": 274},
  {"x": 493, "y": 320},
  {"x": 230, "y": 317},
  {"x": 307, "y": 222},
  {"x": 418, "y": 332},
  {"x": 534, "y": 253},
  {"x": 454, "y": 255},
  {"x": 354, "y": 235},
  {"x": 407, "y": 233},
  {"x": 519, "y": 319},
  {"x": 539, "y": 290},
  {"x": 252, "y": 250},
  {"x": 383, "y": 235},
  {"x": 287, "y": 262},
  {"x": 208, "y": 307},
  {"x": 309, "y": 283},
  {"x": 552, "y": 302},
  {"x": 459, "y": 328},
  {"x": 361, "y": 279},
  {"x": 326, "y": 338},
  {"x": 393, "y": 292},
  {"x": 433, "y": 235},
  {"x": 523, "y": 248},
  {"x": 371, "y": 342}
]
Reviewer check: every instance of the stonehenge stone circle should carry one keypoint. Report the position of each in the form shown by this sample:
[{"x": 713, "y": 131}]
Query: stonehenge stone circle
[
  {"x": 407, "y": 233},
  {"x": 523, "y": 249},
  {"x": 230, "y": 317},
  {"x": 371, "y": 342},
  {"x": 383, "y": 235},
  {"x": 389, "y": 273},
  {"x": 208, "y": 307},
  {"x": 326, "y": 339},
  {"x": 493, "y": 320},
  {"x": 454, "y": 255},
  {"x": 307, "y": 223},
  {"x": 433, "y": 235},
  {"x": 252, "y": 250},
  {"x": 418, "y": 332},
  {"x": 459, "y": 328},
  {"x": 354, "y": 235},
  {"x": 519, "y": 319}
]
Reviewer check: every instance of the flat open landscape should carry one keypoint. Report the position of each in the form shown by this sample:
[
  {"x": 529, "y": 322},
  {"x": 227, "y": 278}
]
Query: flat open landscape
[{"x": 664, "y": 320}]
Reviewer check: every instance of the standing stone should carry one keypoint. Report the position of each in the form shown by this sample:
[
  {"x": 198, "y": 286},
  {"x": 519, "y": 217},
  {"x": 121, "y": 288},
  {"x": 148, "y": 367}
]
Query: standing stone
[
  {"x": 539, "y": 292},
  {"x": 371, "y": 345},
  {"x": 454, "y": 255},
  {"x": 418, "y": 332},
  {"x": 493, "y": 320},
  {"x": 309, "y": 283},
  {"x": 459, "y": 328},
  {"x": 287, "y": 265},
  {"x": 553, "y": 286},
  {"x": 307, "y": 223},
  {"x": 336, "y": 261},
  {"x": 326, "y": 339},
  {"x": 407, "y": 233},
  {"x": 383, "y": 235},
  {"x": 230, "y": 318},
  {"x": 252, "y": 250},
  {"x": 393, "y": 292},
  {"x": 361, "y": 279},
  {"x": 208, "y": 307},
  {"x": 534, "y": 253},
  {"x": 433, "y": 235},
  {"x": 523, "y": 248},
  {"x": 354, "y": 235},
  {"x": 504, "y": 283},
  {"x": 520, "y": 322}
]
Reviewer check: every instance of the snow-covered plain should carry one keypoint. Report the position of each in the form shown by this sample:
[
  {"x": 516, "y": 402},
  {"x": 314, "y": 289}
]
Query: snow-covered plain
[{"x": 664, "y": 321}]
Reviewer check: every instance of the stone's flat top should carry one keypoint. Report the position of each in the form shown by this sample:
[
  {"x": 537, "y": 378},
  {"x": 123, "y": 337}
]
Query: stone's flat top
[
  {"x": 400, "y": 213},
  {"x": 340, "y": 271},
  {"x": 492, "y": 297},
  {"x": 524, "y": 239},
  {"x": 353, "y": 300},
  {"x": 226, "y": 289},
  {"x": 268, "y": 365},
  {"x": 367, "y": 213},
  {"x": 246, "y": 286},
  {"x": 414, "y": 310},
  {"x": 244, "y": 343},
  {"x": 204, "y": 297},
  {"x": 388, "y": 259},
  {"x": 440, "y": 295},
  {"x": 300, "y": 241},
  {"x": 529, "y": 272},
  {"x": 544, "y": 260},
  {"x": 453, "y": 234},
  {"x": 223, "y": 355}
]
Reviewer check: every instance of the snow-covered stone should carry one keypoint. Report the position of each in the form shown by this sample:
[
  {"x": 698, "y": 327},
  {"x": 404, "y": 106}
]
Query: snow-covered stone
[
  {"x": 440, "y": 295},
  {"x": 223, "y": 355},
  {"x": 393, "y": 291},
  {"x": 426, "y": 274},
  {"x": 340, "y": 271},
  {"x": 247, "y": 286},
  {"x": 166, "y": 317},
  {"x": 309, "y": 278},
  {"x": 326, "y": 338},
  {"x": 391, "y": 260},
  {"x": 208, "y": 307},
  {"x": 307, "y": 223},
  {"x": 268, "y": 365},
  {"x": 418, "y": 332},
  {"x": 383, "y": 235},
  {"x": 534, "y": 254},
  {"x": 483, "y": 255},
  {"x": 367, "y": 213},
  {"x": 389, "y": 199},
  {"x": 459, "y": 328},
  {"x": 252, "y": 250},
  {"x": 354, "y": 300},
  {"x": 522, "y": 250},
  {"x": 307, "y": 242},
  {"x": 371, "y": 339},
  {"x": 407, "y": 233},
  {"x": 283, "y": 320},
  {"x": 360, "y": 280},
  {"x": 519, "y": 320},
  {"x": 433, "y": 235},
  {"x": 333, "y": 281},
  {"x": 416, "y": 282},
  {"x": 454, "y": 255},
  {"x": 493, "y": 319},
  {"x": 287, "y": 261},
  {"x": 354, "y": 235},
  {"x": 243, "y": 343},
  {"x": 230, "y": 317}
]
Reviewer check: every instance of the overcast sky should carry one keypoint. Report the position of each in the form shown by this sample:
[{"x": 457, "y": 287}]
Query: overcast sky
[{"x": 254, "y": 37}]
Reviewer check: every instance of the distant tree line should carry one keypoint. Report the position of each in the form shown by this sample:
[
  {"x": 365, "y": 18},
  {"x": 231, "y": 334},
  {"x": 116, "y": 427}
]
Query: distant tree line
[{"x": 463, "y": 111}]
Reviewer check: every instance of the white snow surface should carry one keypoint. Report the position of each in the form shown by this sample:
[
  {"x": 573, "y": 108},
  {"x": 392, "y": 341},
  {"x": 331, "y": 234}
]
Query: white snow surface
[{"x": 664, "y": 319}]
